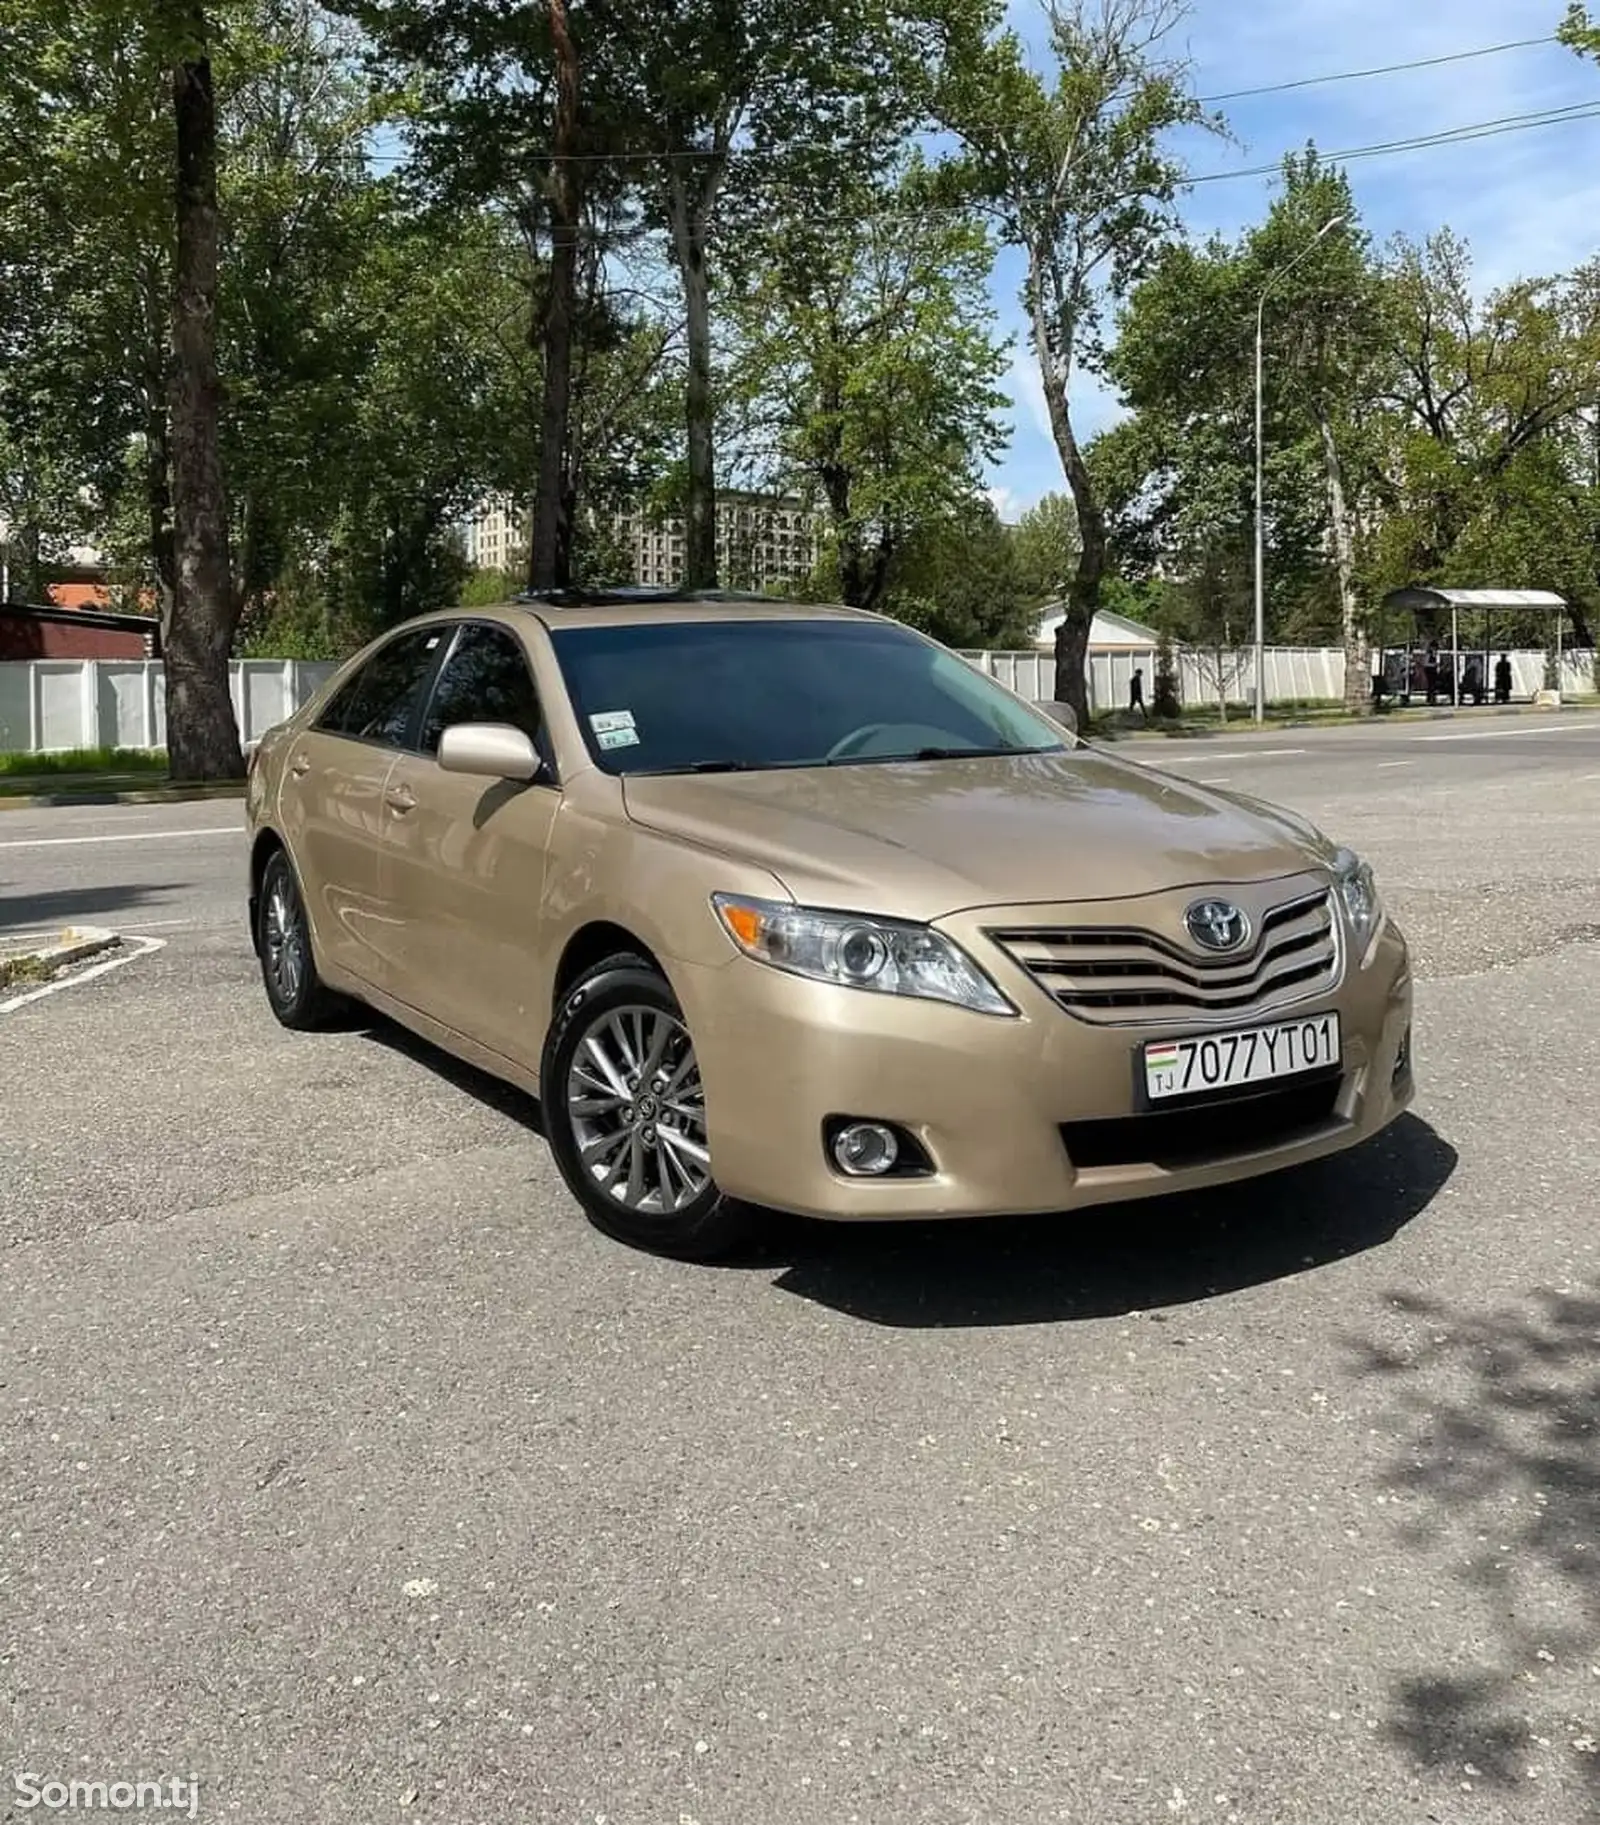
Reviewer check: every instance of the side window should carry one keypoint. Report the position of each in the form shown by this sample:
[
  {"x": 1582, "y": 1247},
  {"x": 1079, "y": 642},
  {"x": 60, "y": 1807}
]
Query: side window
[
  {"x": 485, "y": 679},
  {"x": 377, "y": 704}
]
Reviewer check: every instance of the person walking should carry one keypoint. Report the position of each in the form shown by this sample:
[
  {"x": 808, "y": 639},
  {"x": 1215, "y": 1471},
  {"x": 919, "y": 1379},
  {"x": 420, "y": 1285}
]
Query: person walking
[{"x": 1136, "y": 692}]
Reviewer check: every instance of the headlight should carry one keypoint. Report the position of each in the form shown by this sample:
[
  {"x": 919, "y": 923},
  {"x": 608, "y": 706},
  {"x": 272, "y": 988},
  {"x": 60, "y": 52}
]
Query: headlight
[
  {"x": 1363, "y": 905},
  {"x": 882, "y": 956}
]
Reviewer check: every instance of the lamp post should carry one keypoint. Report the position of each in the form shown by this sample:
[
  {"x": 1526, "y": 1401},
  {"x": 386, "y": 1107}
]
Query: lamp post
[{"x": 1261, "y": 594}]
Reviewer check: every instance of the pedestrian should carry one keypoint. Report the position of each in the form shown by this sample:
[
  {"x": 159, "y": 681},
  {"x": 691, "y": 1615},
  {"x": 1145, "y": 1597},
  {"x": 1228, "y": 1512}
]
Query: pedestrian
[
  {"x": 1136, "y": 692},
  {"x": 1502, "y": 679}
]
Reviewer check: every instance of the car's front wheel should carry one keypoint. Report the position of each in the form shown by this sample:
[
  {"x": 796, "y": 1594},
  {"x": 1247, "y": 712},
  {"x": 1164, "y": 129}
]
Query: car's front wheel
[{"x": 625, "y": 1112}]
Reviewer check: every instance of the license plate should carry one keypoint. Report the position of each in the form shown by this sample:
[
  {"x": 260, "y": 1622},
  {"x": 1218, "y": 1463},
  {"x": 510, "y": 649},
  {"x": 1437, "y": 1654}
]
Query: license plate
[{"x": 1230, "y": 1061}]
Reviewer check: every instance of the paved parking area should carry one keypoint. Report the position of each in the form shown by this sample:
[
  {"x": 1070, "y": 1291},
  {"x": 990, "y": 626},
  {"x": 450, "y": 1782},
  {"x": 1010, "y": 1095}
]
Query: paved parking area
[{"x": 345, "y": 1468}]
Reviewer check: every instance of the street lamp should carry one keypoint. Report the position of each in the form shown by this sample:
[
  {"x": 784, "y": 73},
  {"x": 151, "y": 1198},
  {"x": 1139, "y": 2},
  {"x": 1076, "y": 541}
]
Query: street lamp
[{"x": 1327, "y": 228}]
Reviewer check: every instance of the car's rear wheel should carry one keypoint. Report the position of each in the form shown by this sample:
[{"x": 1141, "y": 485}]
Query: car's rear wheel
[
  {"x": 297, "y": 994},
  {"x": 624, "y": 1109}
]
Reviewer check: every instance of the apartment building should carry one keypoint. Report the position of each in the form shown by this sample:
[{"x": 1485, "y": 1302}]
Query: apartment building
[{"x": 763, "y": 541}]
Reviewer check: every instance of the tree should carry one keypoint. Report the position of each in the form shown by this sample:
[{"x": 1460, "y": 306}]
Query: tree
[
  {"x": 1324, "y": 296},
  {"x": 960, "y": 579},
  {"x": 1486, "y": 464},
  {"x": 1045, "y": 540},
  {"x": 868, "y": 370},
  {"x": 1181, "y": 475},
  {"x": 86, "y": 158},
  {"x": 202, "y": 731},
  {"x": 1076, "y": 172},
  {"x": 1213, "y": 609},
  {"x": 1578, "y": 32},
  {"x": 746, "y": 110},
  {"x": 525, "y": 104}
]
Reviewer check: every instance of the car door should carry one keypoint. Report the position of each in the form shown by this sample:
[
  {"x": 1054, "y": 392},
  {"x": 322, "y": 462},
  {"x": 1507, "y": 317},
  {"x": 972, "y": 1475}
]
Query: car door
[
  {"x": 466, "y": 856},
  {"x": 331, "y": 801}
]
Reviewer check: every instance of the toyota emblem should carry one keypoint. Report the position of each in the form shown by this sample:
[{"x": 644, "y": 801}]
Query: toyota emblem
[{"x": 1217, "y": 925}]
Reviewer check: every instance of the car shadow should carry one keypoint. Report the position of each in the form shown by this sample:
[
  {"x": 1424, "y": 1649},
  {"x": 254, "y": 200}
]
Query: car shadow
[
  {"x": 493, "y": 1092},
  {"x": 1082, "y": 1264},
  {"x": 30, "y": 912},
  {"x": 1120, "y": 1259}
]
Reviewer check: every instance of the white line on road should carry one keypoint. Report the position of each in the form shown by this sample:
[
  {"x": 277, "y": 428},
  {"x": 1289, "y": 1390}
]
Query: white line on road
[
  {"x": 1241, "y": 754},
  {"x": 1220, "y": 779},
  {"x": 1385, "y": 765},
  {"x": 147, "y": 945},
  {"x": 1554, "y": 728},
  {"x": 121, "y": 836}
]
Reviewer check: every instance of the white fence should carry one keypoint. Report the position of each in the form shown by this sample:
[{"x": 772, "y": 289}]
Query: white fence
[
  {"x": 49, "y": 705},
  {"x": 1291, "y": 674}
]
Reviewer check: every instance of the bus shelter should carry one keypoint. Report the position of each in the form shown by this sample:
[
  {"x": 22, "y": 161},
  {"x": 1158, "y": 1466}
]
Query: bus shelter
[{"x": 1404, "y": 671}]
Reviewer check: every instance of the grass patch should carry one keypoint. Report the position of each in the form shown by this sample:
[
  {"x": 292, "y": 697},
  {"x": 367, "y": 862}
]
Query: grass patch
[
  {"x": 85, "y": 762},
  {"x": 23, "y": 972}
]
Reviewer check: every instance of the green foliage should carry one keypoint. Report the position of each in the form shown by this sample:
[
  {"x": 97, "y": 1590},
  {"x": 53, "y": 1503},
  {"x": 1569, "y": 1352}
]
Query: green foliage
[
  {"x": 1046, "y": 543},
  {"x": 1166, "y": 702},
  {"x": 32, "y": 765},
  {"x": 867, "y": 370},
  {"x": 961, "y": 580}
]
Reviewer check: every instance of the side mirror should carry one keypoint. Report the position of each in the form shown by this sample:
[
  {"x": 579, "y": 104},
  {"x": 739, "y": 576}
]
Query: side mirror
[
  {"x": 1062, "y": 713},
  {"x": 490, "y": 750}
]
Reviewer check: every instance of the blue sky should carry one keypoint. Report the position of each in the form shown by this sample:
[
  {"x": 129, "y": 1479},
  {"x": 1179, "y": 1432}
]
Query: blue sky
[{"x": 1527, "y": 202}]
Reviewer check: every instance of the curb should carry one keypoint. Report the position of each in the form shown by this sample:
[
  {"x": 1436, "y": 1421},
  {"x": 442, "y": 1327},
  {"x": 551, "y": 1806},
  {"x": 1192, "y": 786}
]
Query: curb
[
  {"x": 134, "y": 795},
  {"x": 75, "y": 944}
]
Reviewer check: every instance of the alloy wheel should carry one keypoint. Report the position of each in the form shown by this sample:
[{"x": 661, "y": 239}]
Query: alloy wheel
[
  {"x": 284, "y": 940},
  {"x": 637, "y": 1110}
]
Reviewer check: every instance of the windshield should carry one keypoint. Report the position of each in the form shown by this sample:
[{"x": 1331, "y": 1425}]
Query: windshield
[{"x": 709, "y": 696}]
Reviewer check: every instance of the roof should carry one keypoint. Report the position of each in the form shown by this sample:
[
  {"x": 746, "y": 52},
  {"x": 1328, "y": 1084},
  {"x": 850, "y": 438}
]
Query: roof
[
  {"x": 1107, "y": 629},
  {"x": 616, "y": 607},
  {"x": 81, "y": 617},
  {"x": 1420, "y": 597}
]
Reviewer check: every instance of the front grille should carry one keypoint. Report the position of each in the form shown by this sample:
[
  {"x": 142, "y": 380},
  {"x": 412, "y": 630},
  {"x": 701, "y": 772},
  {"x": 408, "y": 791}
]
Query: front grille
[
  {"x": 1120, "y": 976},
  {"x": 1214, "y": 1129}
]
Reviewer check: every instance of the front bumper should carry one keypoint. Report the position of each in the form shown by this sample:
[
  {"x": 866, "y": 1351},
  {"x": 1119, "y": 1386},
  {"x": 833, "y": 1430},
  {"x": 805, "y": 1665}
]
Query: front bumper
[{"x": 1032, "y": 1114}]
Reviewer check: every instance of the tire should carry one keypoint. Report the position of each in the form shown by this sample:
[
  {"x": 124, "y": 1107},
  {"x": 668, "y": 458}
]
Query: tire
[
  {"x": 297, "y": 994},
  {"x": 635, "y": 1183}
]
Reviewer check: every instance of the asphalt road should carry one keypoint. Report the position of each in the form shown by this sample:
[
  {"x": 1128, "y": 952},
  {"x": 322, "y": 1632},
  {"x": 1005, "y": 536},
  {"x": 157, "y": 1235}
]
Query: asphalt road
[{"x": 345, "y": 1468}]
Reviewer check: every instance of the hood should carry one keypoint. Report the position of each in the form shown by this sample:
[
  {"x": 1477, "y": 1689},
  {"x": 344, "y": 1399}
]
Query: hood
[{"x": 920, "y": 840}]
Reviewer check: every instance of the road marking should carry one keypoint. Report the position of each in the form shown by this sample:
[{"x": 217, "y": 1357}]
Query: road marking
[
  {"x": 1554, "y": 728},
  {"x": 1241, "y": 754},
  {"x": 1385, "y": 765},
  {"x": 1221, "y": 779},
  {"x": 121, "y": 836},
  {"x": 147, "y": 946}
]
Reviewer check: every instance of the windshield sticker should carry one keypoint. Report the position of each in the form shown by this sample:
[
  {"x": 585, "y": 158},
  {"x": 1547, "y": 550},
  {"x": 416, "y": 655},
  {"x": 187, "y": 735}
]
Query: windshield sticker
[
  {"x": 608, "y": 722},
  {"x": 617, "y": 738}
]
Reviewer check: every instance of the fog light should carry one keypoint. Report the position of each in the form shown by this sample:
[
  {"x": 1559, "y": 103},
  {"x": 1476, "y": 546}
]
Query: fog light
[{"x": 865, "y": 1150}]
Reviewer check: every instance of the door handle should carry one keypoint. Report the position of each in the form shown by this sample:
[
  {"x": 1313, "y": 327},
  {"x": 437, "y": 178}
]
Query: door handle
[
  {"x": 300, "y": 766},
  {"x": 401, "y": 798}
]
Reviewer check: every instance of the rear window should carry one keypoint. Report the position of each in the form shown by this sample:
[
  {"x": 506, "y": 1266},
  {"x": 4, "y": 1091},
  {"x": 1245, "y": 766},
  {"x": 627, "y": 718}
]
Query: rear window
[{"x": 665, "y": 697}]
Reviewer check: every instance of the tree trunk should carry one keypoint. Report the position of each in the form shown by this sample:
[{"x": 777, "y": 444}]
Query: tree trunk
[
  {"x": 1357, "y": 656},
  {"x": 1083, "y": 593},
  {"x": 202, "y": 732},
  {"x": 158, "y": 502},
  {"x": 700, "y": 503},
  {"x": 550, "y": 546}
]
